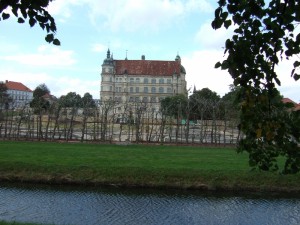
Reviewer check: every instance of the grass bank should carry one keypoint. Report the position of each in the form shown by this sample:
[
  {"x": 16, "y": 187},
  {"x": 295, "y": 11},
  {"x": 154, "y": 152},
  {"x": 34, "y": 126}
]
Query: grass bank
[
  {"x": 15, "y": 223},
  {"x": 137, "y": 165}
]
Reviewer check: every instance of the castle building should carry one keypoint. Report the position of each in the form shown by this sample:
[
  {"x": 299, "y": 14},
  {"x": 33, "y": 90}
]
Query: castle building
[{"x": 145, "y": 81}]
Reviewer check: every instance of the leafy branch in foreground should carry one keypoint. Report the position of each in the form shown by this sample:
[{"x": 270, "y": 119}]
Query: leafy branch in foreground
[
  {"x": 33, "y": 10},
  {"x": 264, "y": 35}
]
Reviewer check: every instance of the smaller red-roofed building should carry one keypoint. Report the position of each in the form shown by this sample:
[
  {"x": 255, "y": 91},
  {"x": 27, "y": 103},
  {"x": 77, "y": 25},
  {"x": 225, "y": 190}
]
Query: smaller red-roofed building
[
  {"x": 20, "y": 94},
  {"x": 288, "y": 100}
]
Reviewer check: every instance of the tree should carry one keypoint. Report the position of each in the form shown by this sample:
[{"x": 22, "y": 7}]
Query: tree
[
  {"x": 38, "y": 102},
  {"x": 4, "y": 97},
  {"x": 35, "y": 11},
  {"x": 203, "y": 103},
  {"x": 265, "y": 34},
  {"x": 174, "y": 105},
  {"x": 40, "y": 105}
]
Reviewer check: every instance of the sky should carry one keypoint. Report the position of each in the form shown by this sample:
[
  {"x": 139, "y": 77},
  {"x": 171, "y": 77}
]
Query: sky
[{"x": 158, "y": 29}]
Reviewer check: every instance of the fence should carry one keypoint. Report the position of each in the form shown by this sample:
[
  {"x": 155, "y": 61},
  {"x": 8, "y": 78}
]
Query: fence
[{"x": 107, "y": 124}]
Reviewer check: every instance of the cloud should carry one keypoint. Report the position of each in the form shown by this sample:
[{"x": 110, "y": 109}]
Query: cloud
[
  {"x": 45, "y": 56},
  {"x": 99, "y": 47},
  {"x": 200, "y": 70},
  {"x": 59, "y": 85},
  {"x": 132, "y": 15},
  {"x": 209, "y": 38}
]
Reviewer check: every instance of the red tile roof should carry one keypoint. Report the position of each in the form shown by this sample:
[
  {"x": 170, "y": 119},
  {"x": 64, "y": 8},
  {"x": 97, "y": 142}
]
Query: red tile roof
[
  {"x": 147, "y": 67},
  {"x": 296, "y": 106},
  {"x": 11, "y": 85},
  {"x": 287, "y": 100}
]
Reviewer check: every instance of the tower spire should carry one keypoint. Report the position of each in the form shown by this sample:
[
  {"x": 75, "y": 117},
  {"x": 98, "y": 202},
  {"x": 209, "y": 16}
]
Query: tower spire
[{"x": 108, "y": 54}]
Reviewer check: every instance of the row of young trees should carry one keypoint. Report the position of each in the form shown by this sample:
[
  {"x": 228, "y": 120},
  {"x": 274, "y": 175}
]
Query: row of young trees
[{"x": 202, "y": 118}]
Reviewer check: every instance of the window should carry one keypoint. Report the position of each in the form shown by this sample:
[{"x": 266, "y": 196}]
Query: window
[
  {"x": 110, "y": 88},
  {"x": 110, "y": 79},
  {"x": 131, "y": 80},
  {"x": 137, "y": 99},
  {"x": 120, "y": 80},
  {"x": 169, "y": 90},
  {"x": 145, "y": 99},
  {"x": 153, "y": 81},
  {"x": 131, "y": 99},
  {"x": 137, "y": 89},
  {"x": 117, "y": 80},
  {"x": 153, "y": 99},
  {"x": 137, "y": 80},
  {"x": 161, "y": 90},
  {"x": 131, "y": 89},
  {"x": 145, "y": 80},
  {"x": 153, "y": 89},
  {"x": 169, "y": 81},
  {"x": 161, "y": 80},
  {"x": 145, "y": 89}
]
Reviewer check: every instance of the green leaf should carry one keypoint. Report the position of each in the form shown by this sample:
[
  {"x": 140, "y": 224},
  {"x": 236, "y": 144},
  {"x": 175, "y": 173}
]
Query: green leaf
[
  {"x": 5, "y": 16},
  {"x": 218, "y": 64},
  {"x": 227, "y": 24},
  {"x": 15, "y": 10},
  {"x": 277, "y": 81},
  {"x": 296, "y": 64},
  {"x": 225, "y": 65},
  {"x": 296, "y": 76},
  {"x": 218, "y": 12},
  {"x": 23, "y": 11},
  {"x": 21, "y": 20},
  {"x": 49, "y": 38},
  {"x": 224, "y": 15},
  {"x": 32, "y": 22},
  {"x": 56, "y": 42}
]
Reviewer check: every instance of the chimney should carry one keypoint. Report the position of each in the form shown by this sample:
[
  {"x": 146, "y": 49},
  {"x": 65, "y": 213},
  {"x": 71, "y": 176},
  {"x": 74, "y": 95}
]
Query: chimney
[
  {"x": 143, "y": 57},
  {"x": 6, "y": 81}
]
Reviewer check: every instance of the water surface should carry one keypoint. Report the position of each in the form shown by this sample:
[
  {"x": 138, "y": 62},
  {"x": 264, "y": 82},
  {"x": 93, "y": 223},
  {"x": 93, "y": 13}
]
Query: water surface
[{"x": 77, "y": 206}]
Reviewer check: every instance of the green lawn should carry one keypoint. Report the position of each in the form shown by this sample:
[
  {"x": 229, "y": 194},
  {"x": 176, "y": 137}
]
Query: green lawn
[
  {"x": 15, "y": 223},
  {"x": 136, "y": 165}
]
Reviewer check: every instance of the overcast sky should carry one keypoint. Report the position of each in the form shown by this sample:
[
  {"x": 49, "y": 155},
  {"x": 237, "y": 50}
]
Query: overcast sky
[{"x": 158, "y": 29}]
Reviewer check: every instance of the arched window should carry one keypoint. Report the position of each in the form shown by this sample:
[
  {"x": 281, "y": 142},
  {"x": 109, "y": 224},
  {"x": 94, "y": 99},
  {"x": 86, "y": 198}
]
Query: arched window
[
  {"x": 153, "y": 90},
  {"x": 161, "y": 90},
  {"x": 161, "y": 80}
]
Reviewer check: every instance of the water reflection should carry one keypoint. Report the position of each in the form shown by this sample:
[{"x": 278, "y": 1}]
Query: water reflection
[{"x": 66, "y": 205}]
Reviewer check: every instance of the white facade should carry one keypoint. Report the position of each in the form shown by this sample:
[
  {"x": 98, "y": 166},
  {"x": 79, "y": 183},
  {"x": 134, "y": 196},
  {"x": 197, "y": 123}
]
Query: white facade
[{"x": 20, "y": 94}]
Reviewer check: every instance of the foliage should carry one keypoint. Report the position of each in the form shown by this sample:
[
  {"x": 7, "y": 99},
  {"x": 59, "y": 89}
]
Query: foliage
[
  {"x": 74, "y": 100},
  {"x": 174, "y": 105},
  {"x": 4, "y": 97},
  {"x": 203, "y": 103},
  {"x": 39, "y": 103},
  {"x": 35, "y": 11},
  {"x": 265, "y": 34}
]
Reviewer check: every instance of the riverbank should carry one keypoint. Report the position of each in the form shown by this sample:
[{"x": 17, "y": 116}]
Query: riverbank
[{"x": 182, "y": 167}]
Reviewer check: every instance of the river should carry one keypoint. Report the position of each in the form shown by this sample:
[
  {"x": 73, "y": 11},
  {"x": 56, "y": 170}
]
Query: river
[{"x": 84, "y": 206}]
